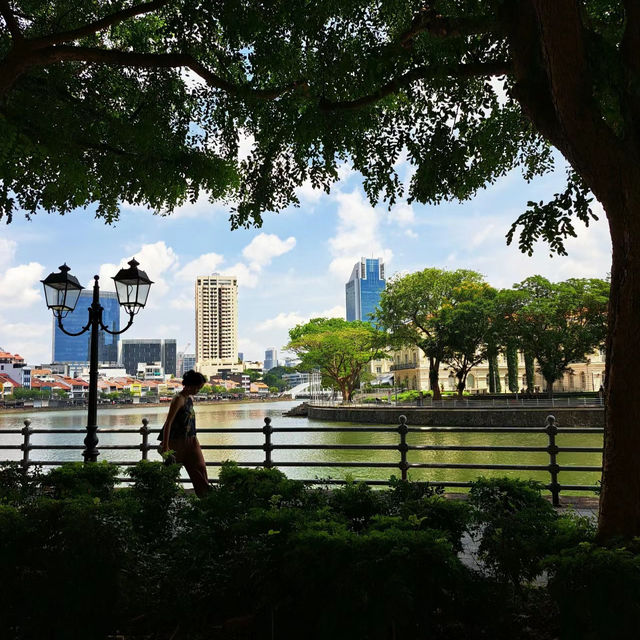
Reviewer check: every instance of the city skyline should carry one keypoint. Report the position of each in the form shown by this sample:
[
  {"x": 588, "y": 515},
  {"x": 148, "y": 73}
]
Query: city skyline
[{"x": 290, "y": 270}]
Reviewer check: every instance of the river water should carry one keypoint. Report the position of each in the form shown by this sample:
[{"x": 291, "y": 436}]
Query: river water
[{"x": 251, "y": 415}]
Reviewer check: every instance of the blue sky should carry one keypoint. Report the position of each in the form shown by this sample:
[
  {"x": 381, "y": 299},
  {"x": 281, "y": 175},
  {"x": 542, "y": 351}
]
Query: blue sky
[{"x": 290, "y": 270}]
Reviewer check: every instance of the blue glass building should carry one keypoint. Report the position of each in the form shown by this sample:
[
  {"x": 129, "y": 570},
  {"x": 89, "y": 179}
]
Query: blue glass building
[
  {"x": 75, "y": 349},
  {"x": 363, "y": 289}
]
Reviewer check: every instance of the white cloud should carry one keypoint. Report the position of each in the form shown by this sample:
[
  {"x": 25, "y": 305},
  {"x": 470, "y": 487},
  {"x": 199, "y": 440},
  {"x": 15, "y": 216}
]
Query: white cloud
[
  {"x": 357, "y": 235},
  {"x": 265, "y": 247},
  {"x": 289, "y": 320},
  {"x": 308, "y": 195},
  {"x": 155, "y": 260},
  {"x": 7, "y": 251},
  {"x": 282, "y": 321},
  {"x": 402, "y": 214},
  {"x": 247, "y": 277},
  {"x": 206, "y": 264},
  {"x": 410, "y": 234},
  {"x": 20, "y": 286},
  {"x": 28, "y": 339}
]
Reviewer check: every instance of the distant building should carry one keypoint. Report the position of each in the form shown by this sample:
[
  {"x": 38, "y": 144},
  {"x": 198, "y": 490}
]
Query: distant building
[
  {"x": 75, "y": 349},
  {"x": 216, "y": 324},
  {"x": 186, "y": 362},
  {"x": 13, "y": 366},
  {"x": 243, "y": 380},
  {"x": 240, "y": 356},
  {"x": 270, "y": 359},
  {"x": 292, "y": 362},
  {"x": 151, "y": 350},
  {"x": 150, "y": 371},
  {"x": 363, "y": 289},
  {"x": 294, "y": 379}
]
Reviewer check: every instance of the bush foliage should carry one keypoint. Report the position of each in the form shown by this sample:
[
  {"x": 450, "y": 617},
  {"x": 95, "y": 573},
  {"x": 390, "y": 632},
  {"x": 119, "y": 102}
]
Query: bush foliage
[{"x": 262, "y": 554}]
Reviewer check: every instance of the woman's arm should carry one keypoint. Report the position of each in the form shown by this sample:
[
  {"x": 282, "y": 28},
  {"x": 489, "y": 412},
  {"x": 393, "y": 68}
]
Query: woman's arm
[{"x": 176, "y": 404}]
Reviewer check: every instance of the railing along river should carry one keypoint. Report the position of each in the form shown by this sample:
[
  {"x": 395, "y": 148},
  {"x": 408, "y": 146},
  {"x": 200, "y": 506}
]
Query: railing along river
[{"x": 402, "y": 447}]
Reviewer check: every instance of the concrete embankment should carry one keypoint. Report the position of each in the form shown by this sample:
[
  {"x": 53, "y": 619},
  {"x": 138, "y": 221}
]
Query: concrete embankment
[{"x": 490, "y": 417}]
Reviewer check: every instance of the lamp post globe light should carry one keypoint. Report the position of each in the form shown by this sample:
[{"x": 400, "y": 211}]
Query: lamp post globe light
[{"x": 61, "y": 291}]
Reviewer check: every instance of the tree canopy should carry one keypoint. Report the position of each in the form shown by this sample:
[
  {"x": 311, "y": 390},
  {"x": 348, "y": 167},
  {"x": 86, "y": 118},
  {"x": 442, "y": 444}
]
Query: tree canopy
[
  {"x": 408, "y": 308},
  {"x": 465, "y": 328},
  {"x": 154, "y": 98},
  {"x": 560, "y": 323},
  {"x": 339, "y": 349}
]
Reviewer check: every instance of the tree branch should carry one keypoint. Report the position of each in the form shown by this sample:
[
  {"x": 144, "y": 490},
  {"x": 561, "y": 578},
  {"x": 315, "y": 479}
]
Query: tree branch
[
  {"x": 429, "y": 21},
  {"x": 98, "y": 25},
  {"x": 463, "y": 70},
  {"x": 62, "y": 53},
  {"x": 10, "y": 20},
  {"x": 581, "y": 127}
]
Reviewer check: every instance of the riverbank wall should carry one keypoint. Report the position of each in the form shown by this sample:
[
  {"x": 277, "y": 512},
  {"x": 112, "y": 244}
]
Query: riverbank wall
[{"x": 490, "y": 417}]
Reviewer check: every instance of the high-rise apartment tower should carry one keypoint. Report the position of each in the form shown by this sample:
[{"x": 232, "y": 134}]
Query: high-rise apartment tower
[
  {"x": 216, "y": 324},
  {"x": 363, "y": 289}
]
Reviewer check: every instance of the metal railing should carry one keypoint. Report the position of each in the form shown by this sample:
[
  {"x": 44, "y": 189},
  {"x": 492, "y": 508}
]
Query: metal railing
[
  {"x": 265, "y": 433},
  {"x": 469, "y": 403}
]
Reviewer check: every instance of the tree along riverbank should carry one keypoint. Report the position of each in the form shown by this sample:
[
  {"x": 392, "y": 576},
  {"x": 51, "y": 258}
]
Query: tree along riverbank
[{"x": 485, "y": 417}]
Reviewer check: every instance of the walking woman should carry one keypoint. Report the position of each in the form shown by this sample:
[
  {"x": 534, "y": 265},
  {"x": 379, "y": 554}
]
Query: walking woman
[{"x": 179, "y": 432}]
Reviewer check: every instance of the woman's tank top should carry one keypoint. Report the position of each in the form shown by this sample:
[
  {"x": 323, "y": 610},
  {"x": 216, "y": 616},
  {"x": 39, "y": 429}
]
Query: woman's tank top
[{"x": 184, "y": 422}]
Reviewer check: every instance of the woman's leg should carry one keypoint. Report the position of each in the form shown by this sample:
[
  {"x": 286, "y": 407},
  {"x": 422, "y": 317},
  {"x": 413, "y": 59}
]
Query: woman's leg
[{"x": 196, "y": 468}]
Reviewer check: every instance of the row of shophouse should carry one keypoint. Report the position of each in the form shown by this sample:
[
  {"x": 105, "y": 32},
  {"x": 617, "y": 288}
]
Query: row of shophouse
[
  {"x": 14, "y": 374},
  {"x": 409, "y": 368}
]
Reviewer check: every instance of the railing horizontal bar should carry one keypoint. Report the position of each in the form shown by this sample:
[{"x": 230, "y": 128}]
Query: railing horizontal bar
[
  {"x": 598, "y": 469},
  {"x": 365, "y": 447},
  {"x": 381, "y": 465},
  {"x": 580, "y": 449},
  {"x": 444, "y": 465},
  {"x": 56, "y": 446},
  {"x": 10, "y": 446},
  {"x": 334, "y": 429},
  {"x": 438, "y": 447},
  {"x": 225, "y": 447},
  {"x": 580, "y": 487}
]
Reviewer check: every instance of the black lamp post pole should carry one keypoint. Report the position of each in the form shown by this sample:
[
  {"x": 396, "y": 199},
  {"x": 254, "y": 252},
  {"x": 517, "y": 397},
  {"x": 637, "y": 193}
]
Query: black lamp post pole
[
  {"x": 90, "y": 453},
  {"x": 61, "y": 293}
]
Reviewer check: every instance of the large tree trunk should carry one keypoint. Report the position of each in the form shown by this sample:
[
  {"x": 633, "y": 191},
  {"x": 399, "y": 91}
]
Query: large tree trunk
[
  {"x": 553, "y": 85},
  {"x": 620, "y": 497}
]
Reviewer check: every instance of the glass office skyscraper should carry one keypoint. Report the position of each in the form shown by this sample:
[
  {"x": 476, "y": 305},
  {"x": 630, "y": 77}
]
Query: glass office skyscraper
[
  {"x": 363, "y": 289},
  {"x": 75, "y": 349}
]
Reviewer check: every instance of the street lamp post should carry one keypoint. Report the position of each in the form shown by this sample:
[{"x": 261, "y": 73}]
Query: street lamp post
[{"x": 62, "y": 291}]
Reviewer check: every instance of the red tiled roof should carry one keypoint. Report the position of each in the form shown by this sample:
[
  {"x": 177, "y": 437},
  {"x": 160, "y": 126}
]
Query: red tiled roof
[{"x": 5, "y": 378}]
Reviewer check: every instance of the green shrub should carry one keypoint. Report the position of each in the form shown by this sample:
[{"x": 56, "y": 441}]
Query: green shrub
[
  {"x": 356, "y": 502},
  {"x": 515, "y": 524},
  {"x": 76, "y": 479},
  {"x": 379, "y": 584},
  {"x": 256, "y": 487},
  {"x": 597, "y": 591},
  {"x": 16, "y": 485},
  {"x": 153, "y": 494}
]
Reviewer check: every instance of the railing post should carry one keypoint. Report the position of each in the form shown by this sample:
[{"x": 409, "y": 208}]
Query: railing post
[
  {"x": 26, "y": 446},
  {"x": 267, "y": 446},
  {"x": 403, "y": 447},
  {"x": 551, "y": 430},
  {"x": 144, "y": 446}
]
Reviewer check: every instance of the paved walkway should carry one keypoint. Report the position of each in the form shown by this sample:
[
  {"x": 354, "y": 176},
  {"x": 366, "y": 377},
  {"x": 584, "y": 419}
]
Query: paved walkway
[{"x": 582, "y": 506}]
